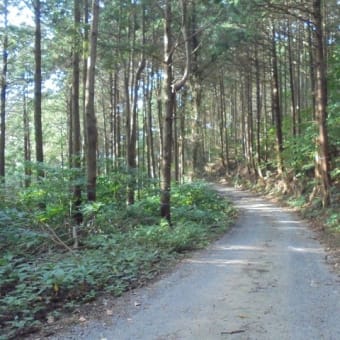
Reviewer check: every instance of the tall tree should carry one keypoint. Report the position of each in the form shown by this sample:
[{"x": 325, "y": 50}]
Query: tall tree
[
  {"x": 132, "y": 123},
  {"x": 276, "y": 107},
  {"x": 3, "y": 93},
  {"x": 91, "y": 121},
  {"x": 39, "y": 154},
  {"x": 75, "y": 111},
  {"x": 197, "y": 90},
  {"x": 322, "y": 158},
  {"x": 27, "y": 141},
  {"x": 169, "y": 97}
]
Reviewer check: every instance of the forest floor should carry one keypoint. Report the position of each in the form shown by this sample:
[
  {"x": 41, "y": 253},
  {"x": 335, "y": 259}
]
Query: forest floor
[{"x": 269, "y": 277}]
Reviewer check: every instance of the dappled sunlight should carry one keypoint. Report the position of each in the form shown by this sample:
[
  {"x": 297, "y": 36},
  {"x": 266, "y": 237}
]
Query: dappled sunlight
[
  {"x": 221, "y": 262},
  {"x": 306, "y": 250},
  {"x": 289, "y": 228},
  {"x": 289, "y": 222},
  {"x": 240, "y": 247},
  {"x": 289, "y": 225},
  {"x": 257, "y": 206}
]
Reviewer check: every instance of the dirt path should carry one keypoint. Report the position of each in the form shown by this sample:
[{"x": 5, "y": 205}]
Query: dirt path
[{"x": 265, "y": 279}]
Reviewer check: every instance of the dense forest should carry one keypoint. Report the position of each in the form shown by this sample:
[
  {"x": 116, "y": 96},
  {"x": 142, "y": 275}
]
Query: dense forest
[{"x": 113, "y": 111}]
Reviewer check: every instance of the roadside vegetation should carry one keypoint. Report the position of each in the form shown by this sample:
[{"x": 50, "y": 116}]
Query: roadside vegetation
[
  {"x": 120, "y": 246},
  {"x": 306, "y": 202},
  {"x": 295, "y": 187}
]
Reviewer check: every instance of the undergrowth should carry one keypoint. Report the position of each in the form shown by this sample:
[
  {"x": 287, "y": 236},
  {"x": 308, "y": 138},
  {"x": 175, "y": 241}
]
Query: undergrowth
[
  {"x": 121, "y": 247},
  {"x": 304, "y": 200}
]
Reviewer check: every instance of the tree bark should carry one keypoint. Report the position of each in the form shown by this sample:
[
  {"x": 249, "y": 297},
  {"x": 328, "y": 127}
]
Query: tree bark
[
  {"x": 258, "y": 110},
  {"x": 169, "y": 98},
  {"x": 3, "y": 95},
  {"x": 276, "y": 106},
  {"x": 196, "y": 85},
  {"x": 291, "y": 80},
  {"x": 150, "y": 138},
  {"x": 91, "y": 121},
  {"x": 132, "y": 138},
  {"x": 37, "y": 90},
  {"x": 27, "y": 142},
  {"x": 168, "y": 102},
  {"x": 85, "y": 51},
  {"x": 322, "y": 156},
  {"x": 75, "y": 114}
]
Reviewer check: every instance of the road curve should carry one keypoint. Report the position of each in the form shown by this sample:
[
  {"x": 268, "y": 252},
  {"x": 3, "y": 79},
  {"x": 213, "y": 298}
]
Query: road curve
[{"x": 265, "y": 279}]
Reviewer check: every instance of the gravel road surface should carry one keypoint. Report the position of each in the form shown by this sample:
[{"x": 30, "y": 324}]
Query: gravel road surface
[{"x": 267, "y": 278}]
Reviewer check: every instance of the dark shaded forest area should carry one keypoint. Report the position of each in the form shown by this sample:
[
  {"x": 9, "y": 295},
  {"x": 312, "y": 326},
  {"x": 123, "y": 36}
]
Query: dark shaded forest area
[{"x": 112, "y": 112}]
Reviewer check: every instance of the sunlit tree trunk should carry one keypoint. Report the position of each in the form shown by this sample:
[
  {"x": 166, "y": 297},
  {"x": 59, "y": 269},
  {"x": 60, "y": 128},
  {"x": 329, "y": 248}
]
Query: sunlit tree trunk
[
  {"x": 148, "y": 89},
  {"x": 322, "y": 157}
]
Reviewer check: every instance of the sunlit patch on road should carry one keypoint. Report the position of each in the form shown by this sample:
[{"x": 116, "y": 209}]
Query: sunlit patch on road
[{"x": 306, "y": 250}]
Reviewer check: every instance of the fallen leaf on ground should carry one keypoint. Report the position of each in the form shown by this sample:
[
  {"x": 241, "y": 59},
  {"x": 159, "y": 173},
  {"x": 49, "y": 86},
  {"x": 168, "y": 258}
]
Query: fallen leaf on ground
[
  {"x": 109, "y": 312},
  {"x": 50, "y": 319}
]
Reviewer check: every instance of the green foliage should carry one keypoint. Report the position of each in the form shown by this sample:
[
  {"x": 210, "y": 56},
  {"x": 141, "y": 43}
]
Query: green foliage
[
  {"x": 297, "y": 202},
  {"x": 299, "y": 152},
  {"x": 333, "y": 221},
  {"x": 121, "y": 246}
]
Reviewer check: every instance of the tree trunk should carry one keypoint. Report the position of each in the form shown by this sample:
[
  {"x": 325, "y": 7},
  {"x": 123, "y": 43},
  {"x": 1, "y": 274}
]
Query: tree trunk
[
  {"x": 27, "y": 143},
  {"x": 85, "y": 52},
  {"x": 222, "y": 123},
  {"x": 276, "y": 106},
  {"x": 37, "y": 90},
  {"x": 322, "y": 157},
  {"x": 168, "y": 102},
  {"x": 250, "y": 127},
  {"x": 258, "y": 110},
  {"x": 311, "y": 68},
  {"x": 91, "y": 122},
  {"x": 198, "y": 147},
  {"x": 132, "y": 138},
  {"x": 3, "y": 95},
  {"x": 291, "y": 80},
  {"x": 181, "y": 138},
  {"x": 169, "y": 97},
  {"x": 75, "y": 115},
  {"x": 150, "y": 137}
]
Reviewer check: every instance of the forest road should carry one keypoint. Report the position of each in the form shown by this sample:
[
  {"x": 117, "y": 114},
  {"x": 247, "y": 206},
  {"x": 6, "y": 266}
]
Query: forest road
[{"x": 267, "y": 278}]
